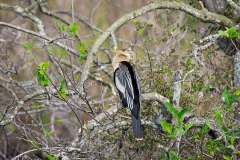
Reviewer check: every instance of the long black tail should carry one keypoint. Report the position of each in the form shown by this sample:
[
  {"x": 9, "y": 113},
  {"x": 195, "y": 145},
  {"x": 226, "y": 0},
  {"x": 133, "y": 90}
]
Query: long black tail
[{"x": 137, "y": 128}]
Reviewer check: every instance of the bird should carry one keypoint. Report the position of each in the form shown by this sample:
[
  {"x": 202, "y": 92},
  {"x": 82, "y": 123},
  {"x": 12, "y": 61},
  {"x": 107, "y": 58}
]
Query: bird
[{"x": 128, "y": 85}]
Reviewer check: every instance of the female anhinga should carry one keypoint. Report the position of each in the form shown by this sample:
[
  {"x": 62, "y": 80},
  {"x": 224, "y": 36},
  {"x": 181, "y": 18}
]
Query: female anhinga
[{"x": 128, "y": 85}]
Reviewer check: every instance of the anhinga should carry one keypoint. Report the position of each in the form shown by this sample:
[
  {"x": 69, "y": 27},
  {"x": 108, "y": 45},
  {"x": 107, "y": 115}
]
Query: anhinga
[{"x": 128, "y": 85}]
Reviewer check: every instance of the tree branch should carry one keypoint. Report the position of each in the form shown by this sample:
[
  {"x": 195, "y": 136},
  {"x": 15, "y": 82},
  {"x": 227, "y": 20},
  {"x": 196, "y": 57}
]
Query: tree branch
[
  {"x": 8, "y": 118},
  {"x": 36, "y": 34},
  {"x": 25, "y": 13},
  {"x": 233, "y": 5},
  {"x": 236, "y": 64},
  {"x": 203, "y": 15}
]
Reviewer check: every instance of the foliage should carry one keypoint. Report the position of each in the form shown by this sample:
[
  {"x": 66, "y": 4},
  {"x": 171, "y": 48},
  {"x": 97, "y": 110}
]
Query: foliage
[
  {"x": 229, "y": 99},
  {"x": 203, "y": 130},
  {"x": 28, "y": 46},
  {"x": 62, "y": 53},
  {"x": 230, "y": 134},
  {"x": 172, "y": 156},
  {"x": 82, "y": 51},
  {"x": 42, "y": 77},
  {"x": 229, "y": 33},
  {"x": 180, "y": 128},
  {"x": 51, "y": 157},
  {"x": 141, "y": 27},
  {"x": 71, "y": 29},
  {"x": 214, "y": 146},
  {"x": 62, "y": 94}
]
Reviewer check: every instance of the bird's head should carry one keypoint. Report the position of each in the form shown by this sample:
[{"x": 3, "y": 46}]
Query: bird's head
[{"x": 121, "y": 56}]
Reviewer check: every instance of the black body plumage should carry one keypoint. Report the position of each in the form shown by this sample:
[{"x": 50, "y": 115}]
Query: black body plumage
[{"x": 128, "y": 85}]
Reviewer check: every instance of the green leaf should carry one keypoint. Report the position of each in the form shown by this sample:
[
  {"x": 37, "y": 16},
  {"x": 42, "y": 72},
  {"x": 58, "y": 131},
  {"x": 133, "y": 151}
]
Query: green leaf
[
  {"x": 223, "y": 33},
  {"x": 229, "y": 33},
  {"x": 181, "y": 113},
  {"x": 225, "y": 129},
  {"x": 77, "y": 77},
  {"x": 236, "y": 153},
  {"x": 52, "y": 49},
  {"x": 62, "y": 89},
  {"x": 62, "y": 53},
  {"x": 139, "y": 30},
  {"x": 58, "y": 121},
  {"x": 176, "y": 129},
  {"x": 73, "y": 28},
  {"x": 139, "y": 27},
  {"x": 212, "y": 153},
  {"x": 172, "y": 110},
  {"x": 63, "y": 28},
  {"x": 237, "y": 93},
  {"x": 226, "y": 96},
  {"x": 28, "y": 46},
  {"x": 36, "y": 106},
  {"x": 50, "y": 157},
  {"x": 165, "y": 157},
  {"x": 218, "y": 116},
  {"x": 232, "y": 140},
  {"x": 226, "y": 157},
  {"x": 229, "y": 99},
  {"x": 42, "y": 78},
  {"x": 166, "y": 126},
  {"x": 231, "y": 147},
  {"x": 82, "y": 51},
  {"x": 174, "y": 155},
  {"x": 188, "y": 126},
  {"x": 233, "y": 33},
  {"x": 191, "y": 158},
  {"x": 48, "y": 133},
  {"x": 235, "y": 133},
  {"x": 181, "y": 132},
  {"x": 204, "y": 130}
]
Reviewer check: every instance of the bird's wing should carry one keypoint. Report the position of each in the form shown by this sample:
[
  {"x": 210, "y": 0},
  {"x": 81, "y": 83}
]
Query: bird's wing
[{"x": 124, "y": 83}]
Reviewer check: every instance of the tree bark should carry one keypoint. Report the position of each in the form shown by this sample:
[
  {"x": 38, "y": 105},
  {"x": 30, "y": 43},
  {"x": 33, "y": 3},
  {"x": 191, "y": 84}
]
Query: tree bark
[{"x": 236, "y": 64}]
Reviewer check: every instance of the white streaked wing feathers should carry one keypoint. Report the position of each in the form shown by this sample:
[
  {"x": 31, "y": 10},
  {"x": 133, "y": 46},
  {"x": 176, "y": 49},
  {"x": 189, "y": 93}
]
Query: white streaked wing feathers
[
  {"x": 120, "y": 86},
  {"x": 123, "y": 81}
]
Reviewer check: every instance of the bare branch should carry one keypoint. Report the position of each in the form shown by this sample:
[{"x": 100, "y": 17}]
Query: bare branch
[
  {"x": 9, "y": 117},
  {"x": 234, "y": 5},
  {"x": 24, "y": 13},
  {"x": 209, "y": 40},
  {"x": 236, "y": 64},
  {"x": 48, "y": 39}
]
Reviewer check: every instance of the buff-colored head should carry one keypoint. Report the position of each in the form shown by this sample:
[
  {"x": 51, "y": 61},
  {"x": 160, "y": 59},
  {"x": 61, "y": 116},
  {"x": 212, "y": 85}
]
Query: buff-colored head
[{"x": 121, "y": 56}]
